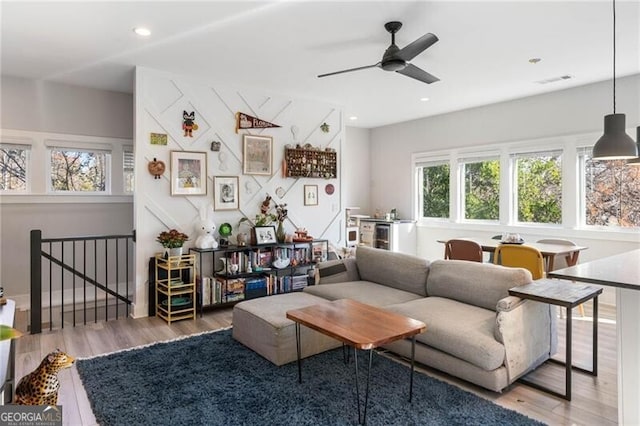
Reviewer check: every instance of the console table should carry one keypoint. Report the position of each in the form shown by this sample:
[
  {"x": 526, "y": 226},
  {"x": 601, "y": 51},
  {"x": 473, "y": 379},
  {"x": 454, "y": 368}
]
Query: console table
[
  {"x": 567, "y": 295},
  {"x": 621, "y": 271}
]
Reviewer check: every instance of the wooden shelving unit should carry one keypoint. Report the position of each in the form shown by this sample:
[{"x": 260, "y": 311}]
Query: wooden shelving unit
[
  {"x": 311, "y": 163},
  {"x": 175, "y": 294}
]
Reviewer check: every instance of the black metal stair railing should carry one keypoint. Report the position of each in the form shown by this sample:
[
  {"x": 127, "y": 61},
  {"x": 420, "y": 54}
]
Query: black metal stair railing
[{"x": 80, "y": 279}]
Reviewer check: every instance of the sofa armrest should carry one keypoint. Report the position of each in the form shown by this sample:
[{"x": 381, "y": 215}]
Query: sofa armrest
[
  {"x": 527, "y": 329},
  {"x": 508, "y": 303},
  {"x": 337, "y": 271}
]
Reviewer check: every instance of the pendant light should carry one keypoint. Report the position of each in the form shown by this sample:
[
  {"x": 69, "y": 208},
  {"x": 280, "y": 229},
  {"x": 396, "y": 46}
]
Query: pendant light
[
  {"x": 636, "y": 161},
  {"x": 615, "y": 144}
]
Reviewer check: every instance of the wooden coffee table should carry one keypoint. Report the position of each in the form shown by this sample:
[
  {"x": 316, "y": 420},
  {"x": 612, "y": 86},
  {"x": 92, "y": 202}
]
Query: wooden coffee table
[{"x": 360, "y": 326}]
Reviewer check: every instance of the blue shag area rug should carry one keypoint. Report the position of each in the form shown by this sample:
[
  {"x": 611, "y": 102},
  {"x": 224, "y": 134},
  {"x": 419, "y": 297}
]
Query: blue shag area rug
[{"x": 210, "y": 379}]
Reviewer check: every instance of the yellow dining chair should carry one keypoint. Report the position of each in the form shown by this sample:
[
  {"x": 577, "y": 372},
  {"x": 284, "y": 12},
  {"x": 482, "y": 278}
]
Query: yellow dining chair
[
  {"x": 563, "y": 261},
  {"x": 521, "y": 256},
  {"x": 463, "y": 250}
]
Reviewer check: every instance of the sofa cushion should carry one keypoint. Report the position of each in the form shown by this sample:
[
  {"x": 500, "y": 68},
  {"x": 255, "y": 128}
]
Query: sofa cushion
[
  {"x": 362, "y": 291},
  {"x": 464, "y": 331},
  {"x": 337, "y": 271},
  {"x": 397, "y": 270},
  {"x": 480, "y": 284}
]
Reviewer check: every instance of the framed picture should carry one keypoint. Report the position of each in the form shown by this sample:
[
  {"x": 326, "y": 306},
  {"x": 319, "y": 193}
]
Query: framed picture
[
  {"x": 258, "y": 154},
  {"x": 188, "y": 173},
  {"x": 225, "y": 193},
  {"x": 265, "y": 234},
  {"x": 311, "y": 195}
]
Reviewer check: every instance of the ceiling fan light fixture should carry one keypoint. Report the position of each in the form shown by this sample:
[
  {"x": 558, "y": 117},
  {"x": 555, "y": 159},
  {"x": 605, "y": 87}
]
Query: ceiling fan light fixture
[
  {"x": 394, "y": 65},
  {"x": 615, "y": 144},
  {"x": 636, "y": 161}
]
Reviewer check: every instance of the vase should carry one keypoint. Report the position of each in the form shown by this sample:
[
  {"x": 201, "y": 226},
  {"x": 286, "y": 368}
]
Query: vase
[
  {"x": 175, "y": 251},
  {"x": 280, "y": 234}
]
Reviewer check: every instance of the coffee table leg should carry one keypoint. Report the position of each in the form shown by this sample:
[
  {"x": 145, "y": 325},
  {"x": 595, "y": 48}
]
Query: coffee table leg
[
  {"x": 298, "y": 351},
  {"x": 366, "y": 394},
  {"x": 413, "y": 357}
]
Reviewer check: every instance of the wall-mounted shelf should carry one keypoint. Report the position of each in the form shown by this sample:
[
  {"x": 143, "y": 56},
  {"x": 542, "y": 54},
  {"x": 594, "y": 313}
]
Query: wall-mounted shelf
[{"x": 311, "y": 163}]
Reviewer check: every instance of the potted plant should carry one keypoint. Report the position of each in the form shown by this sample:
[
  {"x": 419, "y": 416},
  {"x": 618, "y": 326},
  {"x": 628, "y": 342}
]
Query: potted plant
[{"x": 172, "y": 240}]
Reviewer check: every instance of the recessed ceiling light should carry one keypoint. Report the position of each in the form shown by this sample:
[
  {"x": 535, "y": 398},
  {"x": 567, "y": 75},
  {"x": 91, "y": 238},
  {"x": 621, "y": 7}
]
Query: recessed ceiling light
[
  {"x": 424, "y": 99},
  {"x": 141, "y": 31},
  {"x": 353, "y": 118},
  {"x": 534, "y": 60}
]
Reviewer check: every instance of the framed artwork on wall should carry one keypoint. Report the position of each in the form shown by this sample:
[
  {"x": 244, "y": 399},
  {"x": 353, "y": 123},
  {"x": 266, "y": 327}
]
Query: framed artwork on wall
[
  {"x": 257, "y": 155},
  {"x": 311, "y": 195},
  {"x": 188, "y": 173},
  {"x": 226, "y": 195},
  {"x": 265, "y": 234}
]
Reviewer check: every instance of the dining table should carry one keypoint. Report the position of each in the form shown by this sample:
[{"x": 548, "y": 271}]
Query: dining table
[{"x": 549, "y": 251}]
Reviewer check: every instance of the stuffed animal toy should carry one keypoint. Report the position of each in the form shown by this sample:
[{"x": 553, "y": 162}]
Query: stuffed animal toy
[
  {"x": 188, "y": 123},
  {"x": 205, "y": 228}
]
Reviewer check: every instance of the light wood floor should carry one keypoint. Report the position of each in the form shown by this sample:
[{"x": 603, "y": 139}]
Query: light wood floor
[{"x": 594, "y": 398}]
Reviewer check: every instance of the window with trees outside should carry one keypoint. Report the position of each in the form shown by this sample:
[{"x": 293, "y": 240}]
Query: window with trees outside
[
  {"x": 74, "y": 170},
  {"x": 14, "y": 167},
  {"x": 434, "y": 184},
  {"x": 611, "y": 192},
  {"x": 539, "y": 187},
  {"x": 603, "y": 195},
  {"x": 481, "y": 188}
]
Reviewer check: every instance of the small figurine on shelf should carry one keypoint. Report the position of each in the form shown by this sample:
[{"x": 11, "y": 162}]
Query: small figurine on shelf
[{"x": 301, "y": 236}]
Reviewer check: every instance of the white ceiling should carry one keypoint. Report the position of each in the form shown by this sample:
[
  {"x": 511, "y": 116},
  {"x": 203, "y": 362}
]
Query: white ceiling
[{"x": 481, "y": 58}]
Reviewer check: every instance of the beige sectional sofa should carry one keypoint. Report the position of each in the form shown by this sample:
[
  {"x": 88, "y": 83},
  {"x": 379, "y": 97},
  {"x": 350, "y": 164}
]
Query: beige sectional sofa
[{"x": 475, "y": 330}]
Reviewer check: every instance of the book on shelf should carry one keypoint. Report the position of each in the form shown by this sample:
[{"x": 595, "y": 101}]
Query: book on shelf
[{"x": 206, "y": 291}]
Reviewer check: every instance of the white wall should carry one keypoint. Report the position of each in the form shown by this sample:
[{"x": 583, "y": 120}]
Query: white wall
[
  {"x": 59, "y": 108},
  {"x": 356, "y": 168},
  {"x": 160, "y": 99},
  {"x": 29, "y": 108}
]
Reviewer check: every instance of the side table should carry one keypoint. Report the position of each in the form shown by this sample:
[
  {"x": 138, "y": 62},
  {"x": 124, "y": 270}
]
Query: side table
[{"x": 568, "y": 295}]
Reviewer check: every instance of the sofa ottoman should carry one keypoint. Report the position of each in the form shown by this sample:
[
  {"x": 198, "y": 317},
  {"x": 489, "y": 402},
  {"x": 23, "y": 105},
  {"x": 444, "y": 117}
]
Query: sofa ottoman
[{"x": 261, "y": 324}]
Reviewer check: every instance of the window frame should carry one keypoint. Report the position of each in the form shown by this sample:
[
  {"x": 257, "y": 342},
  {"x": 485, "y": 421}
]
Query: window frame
[
  {"x": 88, "y": 148},
  {"x": 419, "y": 164},
  {"x": 28, "y": 148},
  {"x": 473, "y": 158},
  {"x": 573, "y": 189}
]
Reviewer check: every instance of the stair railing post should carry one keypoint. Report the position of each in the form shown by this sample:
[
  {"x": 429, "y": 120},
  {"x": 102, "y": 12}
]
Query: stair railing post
[{"x": 36, "y": 281}]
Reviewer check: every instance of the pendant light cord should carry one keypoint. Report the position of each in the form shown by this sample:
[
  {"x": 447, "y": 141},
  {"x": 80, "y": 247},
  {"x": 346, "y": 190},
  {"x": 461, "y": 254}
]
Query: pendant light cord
[{"x": 614, "y": 56}]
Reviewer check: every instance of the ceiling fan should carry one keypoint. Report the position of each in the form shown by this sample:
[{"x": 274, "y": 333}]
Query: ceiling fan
[{"x": 396, "y": 59}]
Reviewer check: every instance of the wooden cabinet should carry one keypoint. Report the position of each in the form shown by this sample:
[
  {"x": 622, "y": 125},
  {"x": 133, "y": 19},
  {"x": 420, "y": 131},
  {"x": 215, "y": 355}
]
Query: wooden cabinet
[
  {"x": 175, "y": 293},
  {"x": 311, "y": 163},
  {"x": 227, "y": 275}
]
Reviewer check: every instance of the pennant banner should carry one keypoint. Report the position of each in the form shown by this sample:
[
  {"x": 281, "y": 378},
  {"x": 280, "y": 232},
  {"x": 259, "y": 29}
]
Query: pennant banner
[{"x": 246, "y": 121}]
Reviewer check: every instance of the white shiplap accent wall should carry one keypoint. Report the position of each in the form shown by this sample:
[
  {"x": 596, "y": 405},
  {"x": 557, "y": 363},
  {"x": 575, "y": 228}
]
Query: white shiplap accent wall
[{"x": 160, "y": 99}]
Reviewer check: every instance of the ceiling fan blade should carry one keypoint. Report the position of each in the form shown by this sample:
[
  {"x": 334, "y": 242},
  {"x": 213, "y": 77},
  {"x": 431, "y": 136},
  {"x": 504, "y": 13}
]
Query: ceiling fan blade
[
  {"x": 412, "y": 50},
  {"x": 415, "y": 72},
  {"x": 349, "y": 70}
]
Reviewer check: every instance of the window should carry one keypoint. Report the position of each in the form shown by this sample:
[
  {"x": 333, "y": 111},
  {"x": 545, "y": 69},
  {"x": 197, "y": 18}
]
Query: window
[
  {"x": 434, "y": 188},
  {"x": 481, "y": 196},
  {"x": 74, "y": 170},
  {"x": 127, "y": 166},
  {"x": 538, "y": 178},
  {"x": 14, "y": 167},
  {"x": 611, "y": 192}
]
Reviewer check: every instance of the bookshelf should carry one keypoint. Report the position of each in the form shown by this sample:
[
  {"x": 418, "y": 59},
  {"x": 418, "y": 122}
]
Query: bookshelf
[{"x": 227, "y": 275}]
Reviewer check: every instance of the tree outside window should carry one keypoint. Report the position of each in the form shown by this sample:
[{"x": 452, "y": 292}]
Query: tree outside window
[
  {"x": 481, "y": 189},
  {"x": 434, "y": 180},
  {"x": 539, "y": 190},
  {"x": 81, "y": 171},
  {"x": 13, "y": 168},
  {"x": 611, "y": 193}
]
